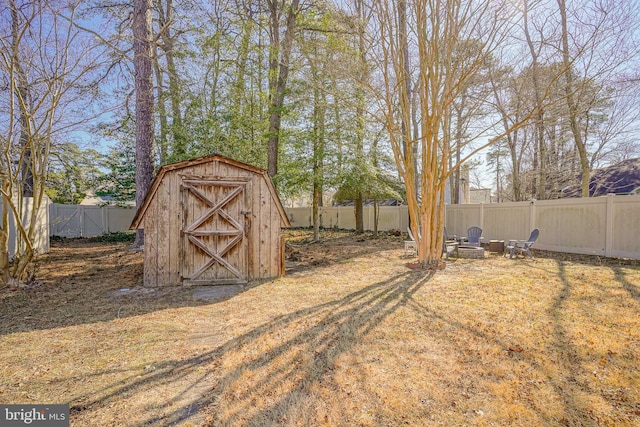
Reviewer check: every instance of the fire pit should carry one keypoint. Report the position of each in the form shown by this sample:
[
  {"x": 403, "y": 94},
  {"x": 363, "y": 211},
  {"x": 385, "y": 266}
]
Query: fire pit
[{"x": 471, "y": 252}]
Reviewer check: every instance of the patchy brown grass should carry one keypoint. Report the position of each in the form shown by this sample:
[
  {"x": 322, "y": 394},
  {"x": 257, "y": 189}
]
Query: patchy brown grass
[{"x": 349, "y": 337}]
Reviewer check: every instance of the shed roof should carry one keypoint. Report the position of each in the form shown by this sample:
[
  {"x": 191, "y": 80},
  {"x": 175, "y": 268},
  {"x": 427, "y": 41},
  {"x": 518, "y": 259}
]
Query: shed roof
[{"x": 193, "y": 162}]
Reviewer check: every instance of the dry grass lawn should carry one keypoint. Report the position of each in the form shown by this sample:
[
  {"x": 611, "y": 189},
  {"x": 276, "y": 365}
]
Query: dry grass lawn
[{"x": 349, "y": 337}]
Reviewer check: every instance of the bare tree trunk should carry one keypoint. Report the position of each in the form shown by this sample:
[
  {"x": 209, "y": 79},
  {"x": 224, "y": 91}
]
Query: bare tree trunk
[
  {"x": 572, "y": 105},
  {"x": 406, "y": 95},
  {"x": 142, "y": 64},
  {"x": 360, "y": 128},
  {"x": 376, "y": 204},
  {"x": 458, "y": 150},
  {"x": 165, "y": 18},
  {"x": 4, "y": 229},
  {"x": 360, "y": 119},
  {"x": 22, "y": 93},
  {"x": 319, "y": 107},
  {"x": 515, "y": 170},
  {"x": 539, "y": 163},
  {"x": 162, "y": 144},
  {"x": 242, "y": 113},
  {"x": 278, "y": 75},
  {"x": 511, "y": 142}
]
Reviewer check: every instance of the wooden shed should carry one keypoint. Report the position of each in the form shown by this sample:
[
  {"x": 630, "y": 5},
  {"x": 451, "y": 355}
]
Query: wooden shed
[{"x": 211, "y": 220}]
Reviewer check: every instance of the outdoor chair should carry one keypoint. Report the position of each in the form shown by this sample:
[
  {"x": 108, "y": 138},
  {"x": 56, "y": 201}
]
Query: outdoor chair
[
  {"x": 410, "y": 246},
  {"x": 474, "y": 234},
  {"x": 449, "y": 246},
  {"x": 515, "y": 247}
]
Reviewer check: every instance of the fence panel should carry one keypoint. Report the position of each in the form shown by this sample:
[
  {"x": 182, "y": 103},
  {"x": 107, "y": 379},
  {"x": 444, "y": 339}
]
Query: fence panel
[
  {"x": 577, "y": 225},
  {"x": 458, "y": 218},
  {"x": 392, "y": 218},
  {"x": 88, "y": 221},
  {"x": 504, "y": 221},
  {"x": 606, "y": 226},
  {"x": 343, "y": 217},
  {"x": 624, "y": 227},
  {"x": 299, "y": 217},
  {"x": 119, "y": 219},
  {"x": 41, "y": 237}
]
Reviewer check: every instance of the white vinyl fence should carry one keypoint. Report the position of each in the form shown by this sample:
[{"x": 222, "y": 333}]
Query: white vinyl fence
[
  {"x": 390, "y": 217},
  {"x": 88, "y": 221},
  {"x": 605, "y": 226},
  {"x": 41, "y": 236}
]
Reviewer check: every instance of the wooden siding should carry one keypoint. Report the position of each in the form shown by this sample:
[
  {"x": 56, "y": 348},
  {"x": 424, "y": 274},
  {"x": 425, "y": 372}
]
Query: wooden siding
[{"x": 163, "y": 219}]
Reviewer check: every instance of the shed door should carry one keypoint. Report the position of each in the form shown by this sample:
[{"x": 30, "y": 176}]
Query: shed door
[{"x": 215, "y": 221}]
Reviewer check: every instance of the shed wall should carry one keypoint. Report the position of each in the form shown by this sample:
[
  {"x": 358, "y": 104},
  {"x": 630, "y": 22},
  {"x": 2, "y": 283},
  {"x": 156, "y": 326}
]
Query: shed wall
[{"x": 163, "y": 219}]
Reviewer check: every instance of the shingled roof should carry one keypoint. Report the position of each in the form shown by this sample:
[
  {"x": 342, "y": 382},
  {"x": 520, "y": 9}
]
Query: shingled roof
[{"x": 621, "y": 178}]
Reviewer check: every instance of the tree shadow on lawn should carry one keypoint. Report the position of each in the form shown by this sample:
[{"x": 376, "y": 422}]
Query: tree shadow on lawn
[
  {"x": 572, "y": 355},
  {"x": 87, "y": 281},
  {"x": 229, "y": 382},
  {"x": 565, "y": 380},
  {"x": 84, "y": 281},
  {"x": 261, "y": 364},
  {"x": 632, "y": 288}
]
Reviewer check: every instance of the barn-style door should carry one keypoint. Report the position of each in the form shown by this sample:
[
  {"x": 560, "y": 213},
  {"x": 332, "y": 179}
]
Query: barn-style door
[{"x": 215, "y": 219}]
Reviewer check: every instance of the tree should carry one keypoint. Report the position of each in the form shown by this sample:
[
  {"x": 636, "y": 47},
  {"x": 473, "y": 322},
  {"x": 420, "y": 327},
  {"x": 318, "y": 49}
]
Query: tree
[
  {"x": 49, "y": 68},
  {"x": 142, "y": 62},
  {"x": 496, "y": 156},
  {"x": 579, "y": 60},
  {"x": 362, "y": 75},
  {"x": 279, "y": 57},
  {"x": 119, "y": 180},
  {"x": 587, "y": 34},
  {"x": 71, "y": 173},
  {"x": 435, "y": 29},
  {"x": 316, "y": 55}
]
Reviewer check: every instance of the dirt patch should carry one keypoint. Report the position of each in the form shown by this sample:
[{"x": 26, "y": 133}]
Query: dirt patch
[{"x": 212, "y": 293}]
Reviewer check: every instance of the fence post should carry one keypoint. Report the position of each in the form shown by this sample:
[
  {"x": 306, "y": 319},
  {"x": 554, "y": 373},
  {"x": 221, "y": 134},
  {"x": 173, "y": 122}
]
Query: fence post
[
  {"x": 532, "y": 215},
  {"x": 105, "y": 219},
  {"x": 608, "y": 226},
  {"x": 53, "y": 213},
  {"x": 81, "y": 219}
]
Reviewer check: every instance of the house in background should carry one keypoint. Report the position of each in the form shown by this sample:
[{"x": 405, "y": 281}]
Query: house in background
[
  {"x": 480, "y": 195},
  {"x": 621, "y": 178}
]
